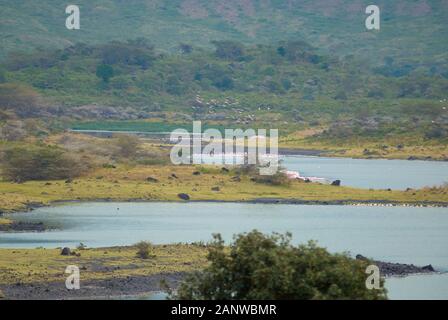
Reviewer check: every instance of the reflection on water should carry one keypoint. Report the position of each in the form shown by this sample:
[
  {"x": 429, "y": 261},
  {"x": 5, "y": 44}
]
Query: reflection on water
[{"x": 418, "y": 287}]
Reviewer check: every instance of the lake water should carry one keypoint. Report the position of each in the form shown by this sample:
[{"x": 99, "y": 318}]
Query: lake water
[
  {"x": 395, "y": 234},
  {"x": 372, "y": 173}
]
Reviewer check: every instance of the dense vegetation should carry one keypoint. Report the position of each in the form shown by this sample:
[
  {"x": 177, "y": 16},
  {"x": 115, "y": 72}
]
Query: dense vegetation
[
  {"x": 412, "y": 32},
  {"x": 287, "y": 85},
  {"x": 257, "y": 266}
]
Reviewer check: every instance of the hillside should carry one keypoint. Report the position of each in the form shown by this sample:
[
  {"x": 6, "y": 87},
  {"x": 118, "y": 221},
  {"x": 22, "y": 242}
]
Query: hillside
[
  {"x": 411, "y": 30},
  {"x": 308, "y": 66}
]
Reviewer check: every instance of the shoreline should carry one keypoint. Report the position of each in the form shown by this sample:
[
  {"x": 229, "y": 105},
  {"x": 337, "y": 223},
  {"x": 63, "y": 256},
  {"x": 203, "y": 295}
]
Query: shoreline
[{"x": 145, "y": 286}]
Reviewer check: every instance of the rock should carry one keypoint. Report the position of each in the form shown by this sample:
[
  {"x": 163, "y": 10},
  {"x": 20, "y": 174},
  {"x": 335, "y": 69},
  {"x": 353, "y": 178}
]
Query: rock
[
  {"x": 236, "y": 178},
  {"x": 224, "y": 169},
  {"x": 215, "y": 189},
  {"x": 151, "y": 179},
  {"x": 336, "y": 183},
  {"x": 66, "y": 252},
  {"x": 397, "y": 269},
  {"x": 183, "y": 196},
  {"x": 412, "y": 158},
  {"x": 68, "y": 181},
  {"x": 428, "y": 268},
  {"x": 196, "y": 173},
  {"x": 174, "y": 176}
]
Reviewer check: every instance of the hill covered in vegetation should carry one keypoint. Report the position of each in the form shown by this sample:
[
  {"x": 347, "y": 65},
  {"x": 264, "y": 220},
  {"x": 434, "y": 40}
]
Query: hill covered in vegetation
[
  {"x": 410, "y": 30},
  {"x": 289, "y": 85},
  {"x": 294, "y": 65}
]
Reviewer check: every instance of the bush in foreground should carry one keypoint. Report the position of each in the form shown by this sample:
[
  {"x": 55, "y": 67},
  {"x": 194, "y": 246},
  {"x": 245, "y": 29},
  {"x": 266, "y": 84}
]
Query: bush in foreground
[{"x": 256, "y": 266}]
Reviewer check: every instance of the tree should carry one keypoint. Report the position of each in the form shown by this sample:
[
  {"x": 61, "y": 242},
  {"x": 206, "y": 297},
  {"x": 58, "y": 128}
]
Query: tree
[
  {"x": 24, "y": 163},
  {"x": 105, "y": 72},
  {"x": 20, "y": 99},
  {"x": 256, "y": 266}
]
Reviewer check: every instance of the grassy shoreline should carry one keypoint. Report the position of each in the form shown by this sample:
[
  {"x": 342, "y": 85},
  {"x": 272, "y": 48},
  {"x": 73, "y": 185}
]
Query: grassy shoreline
[
  {"x": 114, "y": 271},
  {"x": 164, "y": 183}
]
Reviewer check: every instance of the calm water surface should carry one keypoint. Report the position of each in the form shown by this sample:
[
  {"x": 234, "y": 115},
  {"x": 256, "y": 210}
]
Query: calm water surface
[{"x": 377, "y": 174}]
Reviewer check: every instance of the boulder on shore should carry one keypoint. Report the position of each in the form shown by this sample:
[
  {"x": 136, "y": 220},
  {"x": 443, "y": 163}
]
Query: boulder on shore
[
  {"x": 66, "y": 252},
  {"x": 336, "y": 183},
  {"x": 183, "y": 196}
]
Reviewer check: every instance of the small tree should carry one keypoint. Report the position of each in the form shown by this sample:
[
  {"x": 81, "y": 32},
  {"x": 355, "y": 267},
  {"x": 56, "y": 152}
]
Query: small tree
[
  {"x": 105, "y": 72},
  {"x": 21, "y": 99},
  {"x": 144, "y": 250},
  {"x": 256, "y": 266}
]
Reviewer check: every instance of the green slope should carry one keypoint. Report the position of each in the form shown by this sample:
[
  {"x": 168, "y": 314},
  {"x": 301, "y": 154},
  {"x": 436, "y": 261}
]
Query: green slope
[{"x": 413, "y": 30}]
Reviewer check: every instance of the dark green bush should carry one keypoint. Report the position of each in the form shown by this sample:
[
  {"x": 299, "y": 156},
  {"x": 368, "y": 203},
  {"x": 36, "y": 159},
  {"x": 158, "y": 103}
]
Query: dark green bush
[
  {"x": 256, "y": 266},
  {"x": 22, "y": 163}
]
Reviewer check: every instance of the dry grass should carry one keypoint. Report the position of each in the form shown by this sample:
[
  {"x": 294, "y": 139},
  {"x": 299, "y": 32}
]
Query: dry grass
[
  {"x": 47, "y": 265},
  {"x": 130, "y": 183}
]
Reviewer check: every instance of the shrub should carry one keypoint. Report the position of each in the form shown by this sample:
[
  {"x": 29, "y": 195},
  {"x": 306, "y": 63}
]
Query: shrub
[
  {"x": 105, "y": 72},
  {"x": 230, "y": 50},
  {"x": 258, "y": 266},
  {"x": 277, "y": 179},
  {"x": 127, "y": 145},
  {"x": 144, "y": 250}
]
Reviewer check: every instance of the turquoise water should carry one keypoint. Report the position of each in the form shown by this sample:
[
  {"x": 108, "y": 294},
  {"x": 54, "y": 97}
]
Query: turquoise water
[
  {"x": 377, "y": 174},
  {"x": 395, "y": 234}
]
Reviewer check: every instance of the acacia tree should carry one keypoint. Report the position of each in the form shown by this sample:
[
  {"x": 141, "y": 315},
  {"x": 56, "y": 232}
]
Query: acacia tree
[
  {"x": 256, "y": 266},
  {"x": 23, "y": 163},
  {"x": 20, "y": 99}
]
